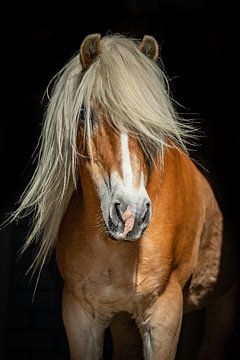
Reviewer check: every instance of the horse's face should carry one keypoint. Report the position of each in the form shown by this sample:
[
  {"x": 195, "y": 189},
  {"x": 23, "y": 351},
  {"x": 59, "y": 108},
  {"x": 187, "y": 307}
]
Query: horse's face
[
  {"x": 117, "y": 167},
  {"x": 119, "y": 173}
]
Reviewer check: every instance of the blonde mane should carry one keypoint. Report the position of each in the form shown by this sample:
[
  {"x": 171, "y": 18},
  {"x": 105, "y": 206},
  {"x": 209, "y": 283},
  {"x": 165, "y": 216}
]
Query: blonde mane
[{"x": 132, "y": 90}]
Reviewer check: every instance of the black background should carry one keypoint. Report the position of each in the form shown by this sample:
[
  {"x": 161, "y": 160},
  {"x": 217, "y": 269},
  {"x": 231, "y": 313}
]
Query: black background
[{"x": 198, "y": 42}]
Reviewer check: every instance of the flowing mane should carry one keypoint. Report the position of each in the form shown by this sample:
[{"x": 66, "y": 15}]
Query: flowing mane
[{"x": 132, "y": 90}]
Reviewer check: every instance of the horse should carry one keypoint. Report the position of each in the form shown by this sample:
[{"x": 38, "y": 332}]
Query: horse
[{"x": 135, "y": 224}]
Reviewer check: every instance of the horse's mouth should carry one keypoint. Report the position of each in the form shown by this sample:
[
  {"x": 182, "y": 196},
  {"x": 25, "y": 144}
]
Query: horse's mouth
[{"x": 116, "y": 232}]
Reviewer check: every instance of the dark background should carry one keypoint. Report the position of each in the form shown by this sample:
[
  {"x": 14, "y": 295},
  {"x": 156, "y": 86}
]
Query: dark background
[{"x": 199, "y": 50}]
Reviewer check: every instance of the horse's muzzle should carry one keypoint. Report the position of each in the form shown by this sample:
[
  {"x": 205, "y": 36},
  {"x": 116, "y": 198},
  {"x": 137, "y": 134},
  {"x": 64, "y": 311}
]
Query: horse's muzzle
[{"x": 127, "y": 222}]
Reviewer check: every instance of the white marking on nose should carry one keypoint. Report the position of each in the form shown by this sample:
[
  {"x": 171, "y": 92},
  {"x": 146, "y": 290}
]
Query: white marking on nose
[{"x": 126, "y": 162}]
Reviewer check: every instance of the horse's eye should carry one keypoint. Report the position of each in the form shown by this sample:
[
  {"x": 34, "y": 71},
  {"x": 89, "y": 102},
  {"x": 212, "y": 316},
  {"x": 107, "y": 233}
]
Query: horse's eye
[{"x": 82, "y": 117}]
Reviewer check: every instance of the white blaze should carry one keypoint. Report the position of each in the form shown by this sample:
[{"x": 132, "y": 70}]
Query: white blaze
[{"x": 126, "y": 162}]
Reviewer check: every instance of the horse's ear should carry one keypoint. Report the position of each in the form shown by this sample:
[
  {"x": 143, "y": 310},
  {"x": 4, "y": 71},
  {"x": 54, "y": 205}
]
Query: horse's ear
[
  {"x": 89, "y": 50},
  {"x": 149, "y": 47}
]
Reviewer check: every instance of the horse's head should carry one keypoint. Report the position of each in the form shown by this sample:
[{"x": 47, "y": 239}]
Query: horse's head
[
  {"x": 116, "y": 164},
  {"x": 118, "y": 169}
]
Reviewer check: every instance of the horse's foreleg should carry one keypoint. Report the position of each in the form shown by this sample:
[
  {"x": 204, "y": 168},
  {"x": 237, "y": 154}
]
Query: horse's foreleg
[
  {"x": 85, "y": 332},
  {"x": 160, "y": 323}
]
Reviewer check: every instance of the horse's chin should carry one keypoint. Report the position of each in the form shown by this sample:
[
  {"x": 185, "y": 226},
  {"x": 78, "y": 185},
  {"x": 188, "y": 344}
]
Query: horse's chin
[{"x": 122, "y": 238}]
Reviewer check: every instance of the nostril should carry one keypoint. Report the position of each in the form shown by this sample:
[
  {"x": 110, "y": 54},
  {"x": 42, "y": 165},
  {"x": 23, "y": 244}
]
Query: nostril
[
  {"x": 118, "y": 212},
  {"x": 145, "y": 215}
]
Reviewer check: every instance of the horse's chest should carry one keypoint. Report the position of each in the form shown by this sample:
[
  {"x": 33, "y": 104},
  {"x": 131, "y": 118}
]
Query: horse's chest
[
  {"x": 114, "y": 281},
  {"x": 109, "y": 286},
  {"x": 121, "y": 287}
]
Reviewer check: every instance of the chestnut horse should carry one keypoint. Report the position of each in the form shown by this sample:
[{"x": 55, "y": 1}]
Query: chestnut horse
[{"x": 136, "y": 226}]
